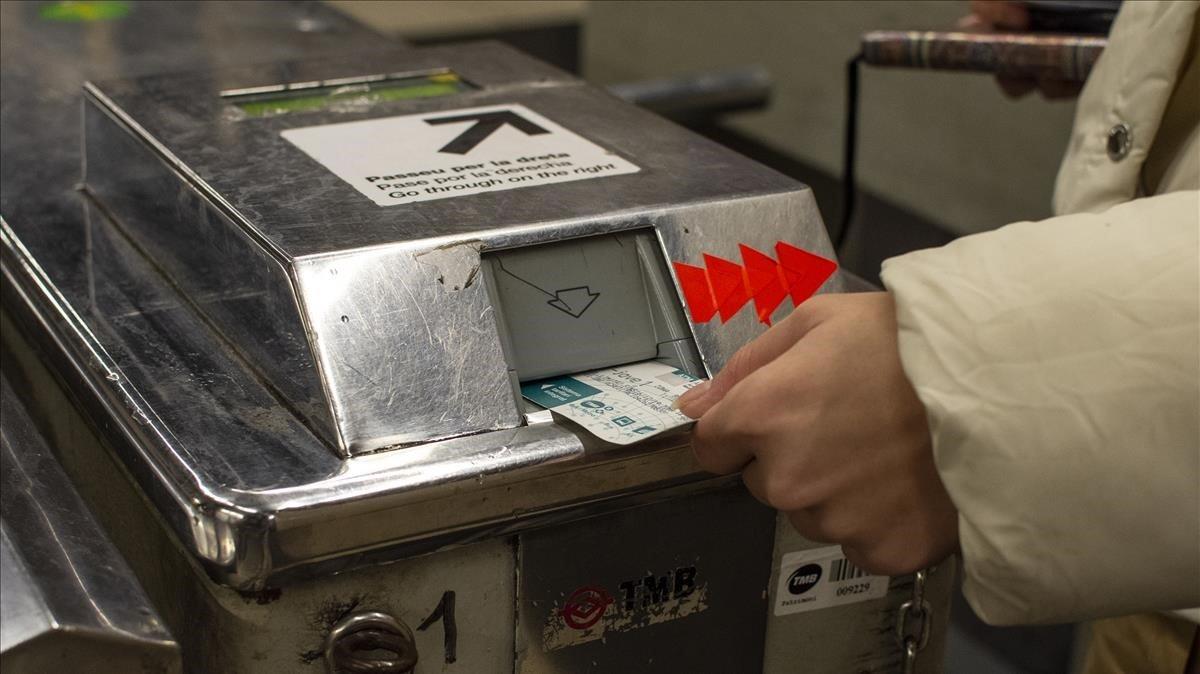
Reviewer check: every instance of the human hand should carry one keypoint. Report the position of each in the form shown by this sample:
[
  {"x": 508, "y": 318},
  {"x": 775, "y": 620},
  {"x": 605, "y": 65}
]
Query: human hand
[
  {"x": 989, "y": 16},
  {"x": 825, "y": 426}
]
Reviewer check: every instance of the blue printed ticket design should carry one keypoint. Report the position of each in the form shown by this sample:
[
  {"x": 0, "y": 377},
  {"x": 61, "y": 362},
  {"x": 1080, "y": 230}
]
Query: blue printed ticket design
[{"x": 622, "y": 404}]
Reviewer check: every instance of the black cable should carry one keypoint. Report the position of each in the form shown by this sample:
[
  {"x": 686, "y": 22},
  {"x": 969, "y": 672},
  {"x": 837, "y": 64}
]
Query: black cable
[{"x": 849, "y": 147}]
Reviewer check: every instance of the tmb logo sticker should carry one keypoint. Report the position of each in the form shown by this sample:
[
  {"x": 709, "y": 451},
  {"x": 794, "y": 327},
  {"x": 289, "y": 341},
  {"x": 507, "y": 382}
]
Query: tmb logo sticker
[
  {"x": 589, "y": 612},
  {"x": 822, "y": 577},
  {"x": 804, "y": 578},
  {"x": 585, "y": 607}
]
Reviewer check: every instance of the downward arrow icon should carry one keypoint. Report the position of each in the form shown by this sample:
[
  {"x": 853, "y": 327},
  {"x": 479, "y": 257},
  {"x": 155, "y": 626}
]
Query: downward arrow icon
[
  {"x": 570, "y": 301},
  {"x": 573, "y": 301}
]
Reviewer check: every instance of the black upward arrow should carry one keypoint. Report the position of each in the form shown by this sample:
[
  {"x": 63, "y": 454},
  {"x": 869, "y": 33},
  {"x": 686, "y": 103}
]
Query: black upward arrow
[{"x": 485, "y": 124}]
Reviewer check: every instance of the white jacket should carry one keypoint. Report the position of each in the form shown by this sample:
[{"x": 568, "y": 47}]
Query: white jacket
[{"x": 1059, "y": 361}]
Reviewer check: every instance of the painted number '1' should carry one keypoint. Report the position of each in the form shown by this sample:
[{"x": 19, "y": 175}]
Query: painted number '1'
[{"x": 445, "y": 612}]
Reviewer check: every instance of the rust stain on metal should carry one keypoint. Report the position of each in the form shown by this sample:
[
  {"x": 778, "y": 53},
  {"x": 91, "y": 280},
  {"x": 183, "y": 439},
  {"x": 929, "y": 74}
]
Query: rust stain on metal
[{"x": 455, "y": 265}]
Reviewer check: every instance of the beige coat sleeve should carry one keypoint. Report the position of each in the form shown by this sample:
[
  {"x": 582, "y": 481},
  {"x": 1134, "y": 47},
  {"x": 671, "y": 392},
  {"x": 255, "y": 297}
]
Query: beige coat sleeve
[{"x": 1059, "y": 362}]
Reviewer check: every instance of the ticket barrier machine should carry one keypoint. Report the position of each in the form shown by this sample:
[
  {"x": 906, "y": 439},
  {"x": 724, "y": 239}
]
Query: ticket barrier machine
[{"x": 314, "y": 292}]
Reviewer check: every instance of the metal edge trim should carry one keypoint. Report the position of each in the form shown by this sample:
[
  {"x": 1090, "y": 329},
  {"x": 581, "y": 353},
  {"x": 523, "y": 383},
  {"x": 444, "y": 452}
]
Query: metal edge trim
[
  {"x": 209, "y": 196},
  {"x": 209, "y": 515}
]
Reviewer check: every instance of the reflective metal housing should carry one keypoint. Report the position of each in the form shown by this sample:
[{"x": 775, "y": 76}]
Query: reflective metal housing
[
  {"x": 252, "y": 486},
  {"x": 335, "y": 300},
  {"x": 69, "y": 599}
]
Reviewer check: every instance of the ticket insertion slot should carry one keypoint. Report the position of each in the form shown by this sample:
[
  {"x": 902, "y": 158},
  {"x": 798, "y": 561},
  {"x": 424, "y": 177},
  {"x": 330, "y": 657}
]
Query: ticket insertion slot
[
  {"x": 588, "y": 303},
  {"x": 347, "y": 91}
]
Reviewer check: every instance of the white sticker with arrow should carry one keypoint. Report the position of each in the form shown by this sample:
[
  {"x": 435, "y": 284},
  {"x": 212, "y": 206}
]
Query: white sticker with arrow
[{"x": 453, "y": 153}]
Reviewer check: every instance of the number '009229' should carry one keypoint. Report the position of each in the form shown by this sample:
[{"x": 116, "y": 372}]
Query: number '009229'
[{"x": 857, "y": 588}]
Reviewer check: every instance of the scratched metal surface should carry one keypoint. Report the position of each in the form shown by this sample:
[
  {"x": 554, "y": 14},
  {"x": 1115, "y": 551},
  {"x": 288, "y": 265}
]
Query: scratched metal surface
[{"x": 248, "y": 487}]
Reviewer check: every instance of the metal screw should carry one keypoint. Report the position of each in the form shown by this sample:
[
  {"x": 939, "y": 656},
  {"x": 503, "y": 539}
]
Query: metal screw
[
  {"x": 1120, "y": 139},
  {"x": 370, "y": 642}
]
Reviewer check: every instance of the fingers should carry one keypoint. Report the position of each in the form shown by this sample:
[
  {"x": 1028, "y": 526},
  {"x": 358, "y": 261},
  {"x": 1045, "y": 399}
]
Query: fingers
[
  {"x": 754, "y": 476},
  {"x": 811, "y": 525},
  {"x": 696, "y": 402},
  {"x": 1056, "y": 90},
  {"x": 735, "y": 407},
  {"x": 745, "y": 424},
  {"x": 718, "y": 450},
  {"x": 973, "y": 23},
  {"x": 766, "y": 348},
  {"x": 1052, "y": 89},
  {"x": 1016, "y": 87},
  {"x": 777, "y": 482},
  {"x": 1001, "y": 14},
  {"x": 729, "y": 435}
]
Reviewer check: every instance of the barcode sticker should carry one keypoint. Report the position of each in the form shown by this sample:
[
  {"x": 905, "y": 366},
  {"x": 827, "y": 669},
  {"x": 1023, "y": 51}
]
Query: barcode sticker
[{"x": 823, "y": 577}]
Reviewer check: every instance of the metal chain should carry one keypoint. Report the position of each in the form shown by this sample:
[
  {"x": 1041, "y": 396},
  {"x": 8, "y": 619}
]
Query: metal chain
[{"x": 914, "y": 621}]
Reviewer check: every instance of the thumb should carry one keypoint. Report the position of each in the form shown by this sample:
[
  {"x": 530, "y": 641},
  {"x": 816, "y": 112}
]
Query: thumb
[{"x": 762, "y": 350}]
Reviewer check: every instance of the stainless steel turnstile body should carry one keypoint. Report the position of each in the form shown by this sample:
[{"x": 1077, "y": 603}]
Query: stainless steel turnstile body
[
  {"x": 295, "y": 408},
  {"x": 69, "y": 600}
]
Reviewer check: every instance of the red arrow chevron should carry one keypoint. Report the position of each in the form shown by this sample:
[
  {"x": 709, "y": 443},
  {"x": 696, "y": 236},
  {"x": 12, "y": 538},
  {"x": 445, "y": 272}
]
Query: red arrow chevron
[
  {"x": 696, "y": 291},
  {"x": 728, "y": 285},
  {"x": 723, "y": 287},
  {"x": 766, "y": 282},
  {"x": 802, "y": 271}
]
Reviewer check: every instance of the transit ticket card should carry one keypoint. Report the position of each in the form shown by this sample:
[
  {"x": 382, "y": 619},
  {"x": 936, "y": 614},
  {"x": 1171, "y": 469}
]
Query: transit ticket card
[{"x": 621, "y": 404}]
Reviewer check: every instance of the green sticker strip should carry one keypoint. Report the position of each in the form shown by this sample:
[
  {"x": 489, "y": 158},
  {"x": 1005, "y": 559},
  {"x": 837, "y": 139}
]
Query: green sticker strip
[
  {"x": 84, "y": 11},
  {"x": 370, "y": 93}
]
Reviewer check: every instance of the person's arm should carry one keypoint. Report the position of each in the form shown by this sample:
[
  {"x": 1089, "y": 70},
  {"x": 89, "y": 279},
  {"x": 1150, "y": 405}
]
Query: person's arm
[
  {"x": 1059, "y": 365},
  {"x": 1054, "y": 366}
]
